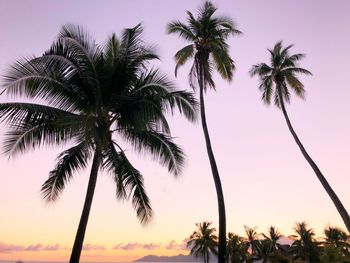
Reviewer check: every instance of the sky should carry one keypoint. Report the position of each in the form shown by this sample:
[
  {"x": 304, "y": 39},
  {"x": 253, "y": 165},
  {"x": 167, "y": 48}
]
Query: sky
[{"x": 265, "y": 179}]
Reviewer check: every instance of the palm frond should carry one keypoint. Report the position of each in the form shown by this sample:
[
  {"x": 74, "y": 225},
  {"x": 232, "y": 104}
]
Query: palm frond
[
  {"x": 262, "y": 70},
  {"x": 296, "y": 57},
  {"x": 296, "y": 70},
  {"x": 129, "y": 182},
  {"x": 34, "y": 125},
  {"x": 112, "y": 50},
  {"x": 277, "y": 99},
  {"x": 206, "y": 11},
  {"x": 69, "y": 162},
  {"x": 22, "y": 139},
  {"x": 228, "y": 25},
  {"x": 223, "y": 62},
  {"x": 41, "y": 79},
  {"x": 88, "y": 55},
  {"x": 285, "y": 93},
  {"x": 291, "y": 61},
  {"x": 134, "y": 47},
  {"x": 157, "y": 88},
  {"x": 208, "y": 75},
  {"x": 80, "y": 41},
  {"x": 296, "y": 85},
  {"x": 193, "y": 77},
  {"x": 285, "y": 51},
  {"x": 76, "y": 69},
  {"x": 183, "y": 55},
  {"x": 159, "y": 145},
  {"x": 186, "y": 104},
  {"x": 267, "y": 90},
  {"x": 276, "y": 54},
  {"x": 181, "y": 29},
  {"x": 19, "y": 114}
]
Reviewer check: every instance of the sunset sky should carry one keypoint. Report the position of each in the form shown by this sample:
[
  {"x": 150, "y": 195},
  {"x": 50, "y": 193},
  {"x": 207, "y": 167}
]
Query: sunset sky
[{"x": 266, "y": 180}]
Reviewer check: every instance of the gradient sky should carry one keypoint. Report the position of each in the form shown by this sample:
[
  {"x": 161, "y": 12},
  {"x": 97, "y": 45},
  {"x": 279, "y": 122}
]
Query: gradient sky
[{"x": 266, "y": 180}]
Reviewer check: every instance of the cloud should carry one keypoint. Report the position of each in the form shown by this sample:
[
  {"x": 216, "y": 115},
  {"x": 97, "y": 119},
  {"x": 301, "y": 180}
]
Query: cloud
[
  {"x": 89, "y": 247},
  {"x": 151, "y": 246},
  {"x": 137, "y": 245},
  {"x": 9, "y": 248},
  {"x": 129, "y": 246},
  {"x": 173, "y": 245}
]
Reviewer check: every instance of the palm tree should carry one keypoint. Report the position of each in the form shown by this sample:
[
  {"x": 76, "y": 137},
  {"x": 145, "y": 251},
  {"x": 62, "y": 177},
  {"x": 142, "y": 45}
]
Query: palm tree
[
  {"x": 305, "y": 246},
  {"x": 203, "y": 241},
  {"x": 332, "y": 254},
  {"x": 265, "y": 251},
  {"x": 336, "y": 237},
  {"x": 89, "y": 95},
  {"x": 252, "y": 237},
  {"x": 207, "y": 35},
  {"x": 273, "y": 235},
  {"x": 237, "y": 249},
  {"x": 276, "y": 80}
]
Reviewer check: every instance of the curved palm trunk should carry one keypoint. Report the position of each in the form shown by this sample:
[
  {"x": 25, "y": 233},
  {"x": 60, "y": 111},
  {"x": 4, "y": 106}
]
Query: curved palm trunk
[
  {"x": 216, "y": 177},
  {"x": 341, "y": 209},
  {"x": 79, "y": 238}
]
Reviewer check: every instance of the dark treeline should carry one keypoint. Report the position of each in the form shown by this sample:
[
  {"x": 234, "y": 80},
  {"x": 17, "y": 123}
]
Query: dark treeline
[{"x": 273, "y": 246}]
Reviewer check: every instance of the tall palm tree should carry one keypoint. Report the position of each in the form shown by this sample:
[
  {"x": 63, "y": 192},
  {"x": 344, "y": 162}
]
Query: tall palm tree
[
  {"x": 91, "y": 94},
  {"x": 277, "y": 80},
  {"x": 208, "y": 48},
  {"x": 203, "y": 241}
]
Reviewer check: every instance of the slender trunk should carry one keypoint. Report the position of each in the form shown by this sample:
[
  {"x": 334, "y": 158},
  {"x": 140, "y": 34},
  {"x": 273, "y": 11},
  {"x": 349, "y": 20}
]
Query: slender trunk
[
  {"x": 341, "y": 209},
  {"x": 216, "y": 177},
  {"x": 79, "y": 238}
]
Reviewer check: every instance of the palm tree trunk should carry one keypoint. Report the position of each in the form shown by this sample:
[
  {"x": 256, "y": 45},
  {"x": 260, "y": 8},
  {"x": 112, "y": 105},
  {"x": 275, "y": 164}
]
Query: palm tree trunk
[
  {"x": 216, "y": 177},
  {"x": 341, "y": 209},
  {"x": 79, "y": 238}
]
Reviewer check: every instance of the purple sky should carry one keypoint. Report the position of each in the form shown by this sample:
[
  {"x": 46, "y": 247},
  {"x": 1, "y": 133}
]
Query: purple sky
[{"x": 265, "y": 178}]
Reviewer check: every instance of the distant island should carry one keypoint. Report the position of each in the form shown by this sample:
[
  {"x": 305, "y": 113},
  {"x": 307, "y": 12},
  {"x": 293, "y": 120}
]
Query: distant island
[{"x": 178, "y": 258}]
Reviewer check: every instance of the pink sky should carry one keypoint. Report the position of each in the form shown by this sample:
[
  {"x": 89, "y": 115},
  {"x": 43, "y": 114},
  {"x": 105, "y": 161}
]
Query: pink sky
[{"x": 265, "y": 179}]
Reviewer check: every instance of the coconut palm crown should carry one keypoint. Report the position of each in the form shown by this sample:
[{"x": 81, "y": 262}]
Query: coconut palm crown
[
  {"x": 280, "y": 75},
  {"x": 95, "y": 98},
  {"x": 338, "y": 238},
  {"x": 208, "y": 48},
  {"x": 203, "y": 241},
  {"x": 207, "y": 35},
  {"x": 276, "y": 81}
]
